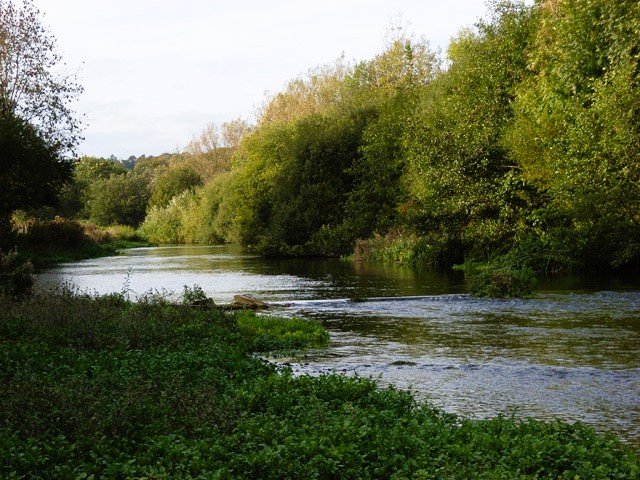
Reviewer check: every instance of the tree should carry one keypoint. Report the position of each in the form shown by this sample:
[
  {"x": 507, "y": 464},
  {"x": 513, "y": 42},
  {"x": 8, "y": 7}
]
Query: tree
[
  {"x": 234, "y": 131},
  {"x": 30, "y": 172},
  {"x": 37, "y": 128},
  {"x": 29, "y": 88},
  {"x": 119, "y": 199},
  {"x": 465, "y": 194},
  {"x": 576, "y": 131},
  {"x": 91, "y": 169},
  {"x": 74, "y": 196},
  {"x": 173, "y": 182},
  {"x": 319, "y": 92},
  {"x": 207, "y": 154},
  {"x": 392, "y": 82}
]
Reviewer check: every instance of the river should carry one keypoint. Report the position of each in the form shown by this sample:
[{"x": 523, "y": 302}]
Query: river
[{"x": 572, "y": 352}]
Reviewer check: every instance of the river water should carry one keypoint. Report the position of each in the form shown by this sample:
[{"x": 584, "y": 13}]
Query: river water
[{"x": 571, "y": 353}]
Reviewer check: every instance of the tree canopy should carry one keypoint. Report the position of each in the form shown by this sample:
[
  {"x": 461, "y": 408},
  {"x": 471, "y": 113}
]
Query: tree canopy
[
  {"x": 29, "y": 87},
  {"x": 38, "y": 130},
  {"x": 518, "y": 148}
]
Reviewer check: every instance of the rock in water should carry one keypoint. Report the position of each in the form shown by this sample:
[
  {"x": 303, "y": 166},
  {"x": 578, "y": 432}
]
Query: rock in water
[{"x": 249, "y": 301}]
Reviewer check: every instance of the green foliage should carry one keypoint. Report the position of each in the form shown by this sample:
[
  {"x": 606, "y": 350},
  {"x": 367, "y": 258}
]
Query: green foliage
[
  {"x": 526, "y": 143},
  {"x": 195, "y": 297},
  {"x": 173, "y": 182},
  {"x": 459, "y": 175},
  {"x": 119, "y": 199},
  {"x": 164, "y": 224},
  {"x": 394, "y": 80},
  {"x": 268, "y": 334},
  {"x": 500, "y": 277},
  {"x": 32, "y": 86},
  {"x": 100, "y": 387},
  {"x": 310, "y": 191},
  {"x": 576, "y": 133},
  {"x": 90, "y": 169},
  {"x": 16, "y": 275},
  {"x": 522, "y": 144},
  {"x": 31, "y": 171},
  {"x": 397, "y": 247},
  {"x": 74, "y": 196},
  {"x": 191, "y": 217},
  {"x": 292, "y": 181}
]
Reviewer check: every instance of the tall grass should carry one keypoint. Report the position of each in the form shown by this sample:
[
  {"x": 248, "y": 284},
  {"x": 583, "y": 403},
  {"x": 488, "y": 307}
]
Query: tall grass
[
  {"x": 101, "y": 387},
  {"x": 45, "y": 240}
]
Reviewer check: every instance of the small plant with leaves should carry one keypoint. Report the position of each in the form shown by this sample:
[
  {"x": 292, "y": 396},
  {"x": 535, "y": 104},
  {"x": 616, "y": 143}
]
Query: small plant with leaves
[{"x": 195, "y": 297}]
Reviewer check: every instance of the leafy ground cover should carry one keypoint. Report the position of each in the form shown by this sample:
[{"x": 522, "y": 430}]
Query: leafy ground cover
[{"x": 101, "y": 387}]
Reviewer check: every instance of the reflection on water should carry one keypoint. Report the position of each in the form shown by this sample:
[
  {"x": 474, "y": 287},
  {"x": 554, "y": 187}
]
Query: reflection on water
[
  {"x": 223, "y": 271},
  {"x": 569, "y": 353}
]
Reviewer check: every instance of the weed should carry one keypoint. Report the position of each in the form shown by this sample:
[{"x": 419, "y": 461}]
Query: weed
[{"x": 195, "y": 297}]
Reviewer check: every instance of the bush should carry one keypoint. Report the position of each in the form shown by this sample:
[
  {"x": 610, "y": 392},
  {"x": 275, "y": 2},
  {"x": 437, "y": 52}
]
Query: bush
[
  {"x": 195, "y": 297},
  {"x": 16, "y": 276},
  {"x": 398, "y": 247},
  {"x": 40, "y": 233},
  {"x": 499, "y": 278},
  {"x": 119, "y": 199}
]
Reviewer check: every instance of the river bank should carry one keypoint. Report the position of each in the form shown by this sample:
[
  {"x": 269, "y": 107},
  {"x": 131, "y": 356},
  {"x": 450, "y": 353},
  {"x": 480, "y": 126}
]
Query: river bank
[
  {"x": 569, "y": 353},
  {"x": 98, "y": 385}
]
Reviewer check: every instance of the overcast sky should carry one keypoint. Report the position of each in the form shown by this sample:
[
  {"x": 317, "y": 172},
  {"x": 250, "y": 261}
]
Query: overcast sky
[{"x": 156, "y": 72}]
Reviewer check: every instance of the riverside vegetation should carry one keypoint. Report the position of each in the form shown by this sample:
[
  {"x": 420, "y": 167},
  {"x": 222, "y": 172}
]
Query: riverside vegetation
[
  {"x": 513, "y": 155},
  {"x": 103, "y": 387}
]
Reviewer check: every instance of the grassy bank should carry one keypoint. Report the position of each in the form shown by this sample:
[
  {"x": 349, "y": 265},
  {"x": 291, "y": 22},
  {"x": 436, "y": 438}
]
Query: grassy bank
[
  {"x": 47, "y": 241},
  {"x": 99, "y": 387}
]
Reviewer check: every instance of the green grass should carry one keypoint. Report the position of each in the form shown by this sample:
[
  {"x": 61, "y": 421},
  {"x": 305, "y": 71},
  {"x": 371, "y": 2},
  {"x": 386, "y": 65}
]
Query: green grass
[
  {"x": 277, "y": 334},
  {"x": 99, "y": 387},
  {"x": 45, "y": 242}
]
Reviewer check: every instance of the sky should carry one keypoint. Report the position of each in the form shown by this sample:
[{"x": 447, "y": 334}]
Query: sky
[{"x": 156, "y": 72}]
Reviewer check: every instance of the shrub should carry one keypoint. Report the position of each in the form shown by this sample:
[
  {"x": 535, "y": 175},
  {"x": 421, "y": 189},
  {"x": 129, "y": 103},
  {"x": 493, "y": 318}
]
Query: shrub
[
  {"x": 119, "y": 199},
  {"x": 16, "y": 276},
  {"x": 36, "y": 232},
  {"x": 195, "y": 297},
  {"x": 499, "y": 278},
  {"x": 398, "y": 247}
]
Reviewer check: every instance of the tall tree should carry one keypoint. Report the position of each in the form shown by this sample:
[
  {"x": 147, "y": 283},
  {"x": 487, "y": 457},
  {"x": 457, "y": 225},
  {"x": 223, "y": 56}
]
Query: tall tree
[
  {"x": 389, "y": 87},
  {"x": 462, "y": 185},
  {"x": 30, "y": 172},
  {"x": 29, "y": 88},
  {"x": 209, "y": 153},
  {"x": 578, "y": 135},
  {"x": 37, "y": 128}
]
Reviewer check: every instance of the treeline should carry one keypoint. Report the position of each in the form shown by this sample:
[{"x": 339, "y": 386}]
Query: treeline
[{"x": 520, "y": 148}]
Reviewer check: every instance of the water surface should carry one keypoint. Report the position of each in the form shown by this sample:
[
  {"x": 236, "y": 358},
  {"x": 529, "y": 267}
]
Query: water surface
[{"x": 570, "y": 353}]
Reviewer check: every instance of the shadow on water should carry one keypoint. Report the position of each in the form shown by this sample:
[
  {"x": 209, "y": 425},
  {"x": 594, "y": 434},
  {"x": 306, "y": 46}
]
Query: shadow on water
[{"x": 571, "y": 352}]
